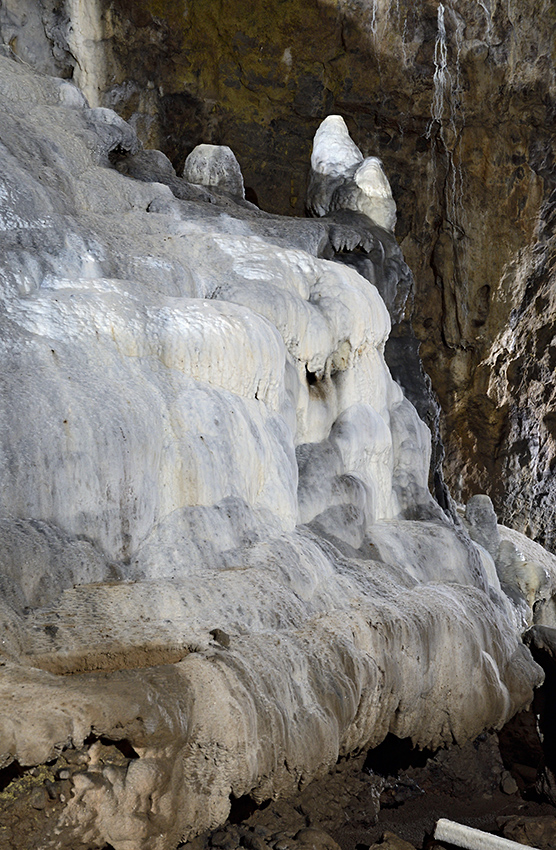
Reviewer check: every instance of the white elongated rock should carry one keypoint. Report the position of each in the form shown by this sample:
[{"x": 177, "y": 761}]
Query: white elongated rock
[
  {"x": 472, "y": 839},
  {"x": 334, "y": 151}
]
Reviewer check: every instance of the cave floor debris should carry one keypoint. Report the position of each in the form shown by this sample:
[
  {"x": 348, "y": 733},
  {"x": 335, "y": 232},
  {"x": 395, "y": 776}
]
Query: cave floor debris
[{"x": 467, "y": 784}]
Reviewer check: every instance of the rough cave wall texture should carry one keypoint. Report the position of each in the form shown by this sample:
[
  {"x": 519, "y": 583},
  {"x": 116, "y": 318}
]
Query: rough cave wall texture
[{"x": 459, "y": 101}]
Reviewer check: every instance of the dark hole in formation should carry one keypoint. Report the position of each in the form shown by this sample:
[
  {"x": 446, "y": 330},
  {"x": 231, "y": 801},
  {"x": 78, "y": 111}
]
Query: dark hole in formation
[
  {"x": 394, "y": 755},
  {"x": 243, "y": 807},
  {"x": 311, "y": 377},
  {"x": 117, "y": 154},
  {"x": 526, "y": 754},
  {"x": 123, "y": 745},
  {"x": 11, "y": 772}
]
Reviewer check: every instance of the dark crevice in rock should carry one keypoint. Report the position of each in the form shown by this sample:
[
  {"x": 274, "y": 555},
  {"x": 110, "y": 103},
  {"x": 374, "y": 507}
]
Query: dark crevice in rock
[
  {"x": 8, "y": 774},
  {"x": 394, "y": 755},
  {"x": 122, "y": 745},
  {"x": 242, "y": 808},
  {"x": 402, "y": 357},
  {"x": 542, "y": 643},
  {"x": 312, "y": 377},
  {"x": 521, "y": 751}
]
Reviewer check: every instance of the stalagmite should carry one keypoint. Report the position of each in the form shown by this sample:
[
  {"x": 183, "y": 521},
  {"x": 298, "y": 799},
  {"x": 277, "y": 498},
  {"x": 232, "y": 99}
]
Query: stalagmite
[
  {"x": 341, "y": 179},
  {"x": 215, "y": 165}
]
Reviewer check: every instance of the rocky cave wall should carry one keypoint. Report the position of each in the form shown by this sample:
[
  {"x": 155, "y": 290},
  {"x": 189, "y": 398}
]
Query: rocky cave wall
[{"x": 458, "y": 100}]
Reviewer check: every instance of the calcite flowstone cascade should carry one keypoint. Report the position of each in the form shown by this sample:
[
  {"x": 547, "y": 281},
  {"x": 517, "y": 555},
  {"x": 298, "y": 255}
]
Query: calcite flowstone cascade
[
  {"x": 459, "y": 100},
  {"x": 221, "y": 567}
]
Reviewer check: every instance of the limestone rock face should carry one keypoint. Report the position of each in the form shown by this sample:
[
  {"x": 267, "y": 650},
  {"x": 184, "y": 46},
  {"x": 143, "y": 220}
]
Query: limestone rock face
[
  {"x": 456, "y": 98},
  {"x": 222, "y": 567},
  {"x": 508, "y": 443}
]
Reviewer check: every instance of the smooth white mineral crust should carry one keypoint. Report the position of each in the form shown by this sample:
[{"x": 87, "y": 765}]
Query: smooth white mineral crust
[
  {"x": 199, "y": 432},
  {"x": 85, "y": 36}
]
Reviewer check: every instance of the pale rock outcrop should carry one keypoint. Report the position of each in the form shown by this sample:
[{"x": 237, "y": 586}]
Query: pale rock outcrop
[
  {"x": 84, "y": 35},
  {"x": 207, "y": 471},
  {"x": 524, "y": 568},
  {"x": 215, "y": 165},
  {"x": 482, "y": 524}
]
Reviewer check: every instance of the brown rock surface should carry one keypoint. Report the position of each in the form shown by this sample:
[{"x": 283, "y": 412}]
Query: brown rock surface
[
  {"x": 533, "y": 832},
  {"x": 390, "y": 841}
]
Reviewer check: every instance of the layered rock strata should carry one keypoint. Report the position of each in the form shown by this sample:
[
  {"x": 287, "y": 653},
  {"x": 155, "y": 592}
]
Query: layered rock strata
[{"x": 221, "y": 565}]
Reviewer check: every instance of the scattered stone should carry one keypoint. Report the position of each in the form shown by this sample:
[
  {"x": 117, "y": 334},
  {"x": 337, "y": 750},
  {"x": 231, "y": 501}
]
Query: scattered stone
[
  {"x": 254, "y": 842},
  {"x": 390, "y": 841},
  {"x": 532, "y": 831},
  {"x": 508, "y": 783},
  {"x": 39, "y": 798},
  {"x": 221, "y": 637},
  {"x": 311, "y": 838},
  {"x": 53, "y": 789},
  {"x": 198, "y": 843},
  {"x": 220, "y": 838},
  {"x": 400, "y": 791}
]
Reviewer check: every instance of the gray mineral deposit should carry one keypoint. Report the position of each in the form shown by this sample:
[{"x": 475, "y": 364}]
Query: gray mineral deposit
[{"x": 221, "y": 565}]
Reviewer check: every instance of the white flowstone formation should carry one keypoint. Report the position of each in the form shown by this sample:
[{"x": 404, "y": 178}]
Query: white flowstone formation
[
  {"x": 216, "y": 166},
  {"x": 523, "y": 568},
  {"x": 334, "y": 151},
  {"x": 341, "y": 179},
  {"x": 218, "y": 546}
]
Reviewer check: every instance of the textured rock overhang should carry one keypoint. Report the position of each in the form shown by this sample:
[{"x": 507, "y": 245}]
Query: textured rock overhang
[{"x": 218, "y": 544}]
